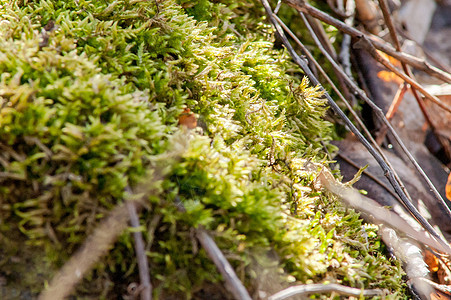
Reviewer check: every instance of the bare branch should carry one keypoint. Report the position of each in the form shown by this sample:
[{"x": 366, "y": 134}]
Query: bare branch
[
  {"x": 143, "y": 266},
  {"x": 231, "y": 279},
  {"x": 95, "y": 246},
  {"x": 378, "y": 43},
  {"x": 389, "y": 174},
  {"x": 236, "y": 287},
  {"x": 307, "y": 289},
  {"x": 405, "y": 200}
]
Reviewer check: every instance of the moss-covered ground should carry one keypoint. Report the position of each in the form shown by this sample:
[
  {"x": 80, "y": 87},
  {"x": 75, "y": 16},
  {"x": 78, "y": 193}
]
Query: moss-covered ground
[{"x": 92, "y": 94}]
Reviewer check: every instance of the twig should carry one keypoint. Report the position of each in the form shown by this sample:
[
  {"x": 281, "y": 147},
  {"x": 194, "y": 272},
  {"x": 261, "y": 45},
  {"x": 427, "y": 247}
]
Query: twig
[
  {"x": 378, "y": 110},
  {"x": 236, "y": 287},
  {"x": 307, "y": 289},
  {"x": 441, "y": 287},
  {"x": 95, "y": 246},
  {"x": 375, "y": 212},
  {"x": 234, "y": 284},
  {"x": 392, "y": 30},
  {"x": 387, "y": 171},
  {"x": 388, "y": 21},
  {"x": 143, "y": 266},
  {"x": 396, "y": 101},
  {"x": 339, "y": 10},
  {"x": 420, "y": 64},
  {"x": 391, "y": 111},
  {"x": 371, "y": 176},
  {"x": 348, "y": 106},
  {"x": 322, "y": 36},
  {"x": 426, "y": 52},
  {"x": 344, "y": 55},
  {"x": 409, "y": 253},
  {"x": 366, "y": 44},
  {"x": 381, "y": 116}
]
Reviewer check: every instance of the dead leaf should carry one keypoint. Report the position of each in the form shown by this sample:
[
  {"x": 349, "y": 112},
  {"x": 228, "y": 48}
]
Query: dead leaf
[
  {"x": 431, "y": 260},
  {"x": 389, "y": 76},
  {"x": 188, "y": 118},
  {"x": 448, "y": 187}
]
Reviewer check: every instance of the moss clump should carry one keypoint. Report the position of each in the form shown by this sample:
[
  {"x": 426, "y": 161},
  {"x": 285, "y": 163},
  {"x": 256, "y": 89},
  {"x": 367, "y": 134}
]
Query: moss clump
[{"x": 91, "y": 92}]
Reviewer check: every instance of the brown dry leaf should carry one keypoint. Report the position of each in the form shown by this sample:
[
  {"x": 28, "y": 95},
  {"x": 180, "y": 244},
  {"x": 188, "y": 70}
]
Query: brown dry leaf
[
  {"x": 431, "y": 260},
  {"x": 448, "y": 187},
  {"x": 188, "y": 119},
  {"x": 389, "y": 76}
]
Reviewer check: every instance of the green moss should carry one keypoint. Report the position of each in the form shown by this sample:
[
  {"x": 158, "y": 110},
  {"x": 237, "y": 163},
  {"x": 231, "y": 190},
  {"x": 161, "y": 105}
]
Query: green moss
[{"x": 91, "y": 92}]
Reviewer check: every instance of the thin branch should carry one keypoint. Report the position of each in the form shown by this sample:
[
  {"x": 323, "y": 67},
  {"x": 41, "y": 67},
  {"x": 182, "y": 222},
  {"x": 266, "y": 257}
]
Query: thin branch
[
  {"x": 348, "y": 106},
  {"x": 388, "y": 20},
  {"x": 329, "y": 80},
  {"x": 234, "y": 284},
  {"x": 444, "y": 288},
  {"x": 402, "y": 89},
  {"x": 345, "y": 51},
  {"x": 303, "y": 64},
  {"x": 381, "y": 116},
  {"x": 420, "y": 64},
  {"x": 143, "y": 266},
  {"x": 366, "y": 44},
  {"x": 231, "y": 279},
  {"x": 375, "y": 213},
  {"x": 307, "y": 289},
  {"x": 426, "y": 52},
  {"x": 95, "y": 246},
  {"x": 371, "y": 176}
]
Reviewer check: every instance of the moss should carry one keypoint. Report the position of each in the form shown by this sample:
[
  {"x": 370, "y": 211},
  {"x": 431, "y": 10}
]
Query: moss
[{"x": 91, "y": 92}]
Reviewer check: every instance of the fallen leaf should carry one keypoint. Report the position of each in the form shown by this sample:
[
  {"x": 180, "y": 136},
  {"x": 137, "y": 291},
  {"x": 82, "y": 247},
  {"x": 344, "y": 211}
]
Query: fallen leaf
[
  {"x": 448, "y": 187},
  {"x": 431, "y": 260},
  {"x": 188, "y": 118}
]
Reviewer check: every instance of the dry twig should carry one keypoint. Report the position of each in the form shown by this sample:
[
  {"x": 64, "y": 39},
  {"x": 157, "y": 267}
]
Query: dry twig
[
  {"x": 145, "y": 287},
  {"x": 366, "y": 44},
  {"x": 378, "y": 43},
  {"x": 307, "y": 289},
  {"x": 406, "y": 201},
  {"x": 95, "y": 246},
  {"x": 234, "y": 284},
  {"x": 348, "y": 106},
  {"x": 388, "y": 20},
  {"x": 232, "y": 281},
  {"x": 388, "y": 172}
]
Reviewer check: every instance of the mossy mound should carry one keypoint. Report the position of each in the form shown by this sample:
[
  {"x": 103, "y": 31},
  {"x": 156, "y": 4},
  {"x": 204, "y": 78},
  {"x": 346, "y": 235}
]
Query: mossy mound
[{"x": 91, "y": 97}]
